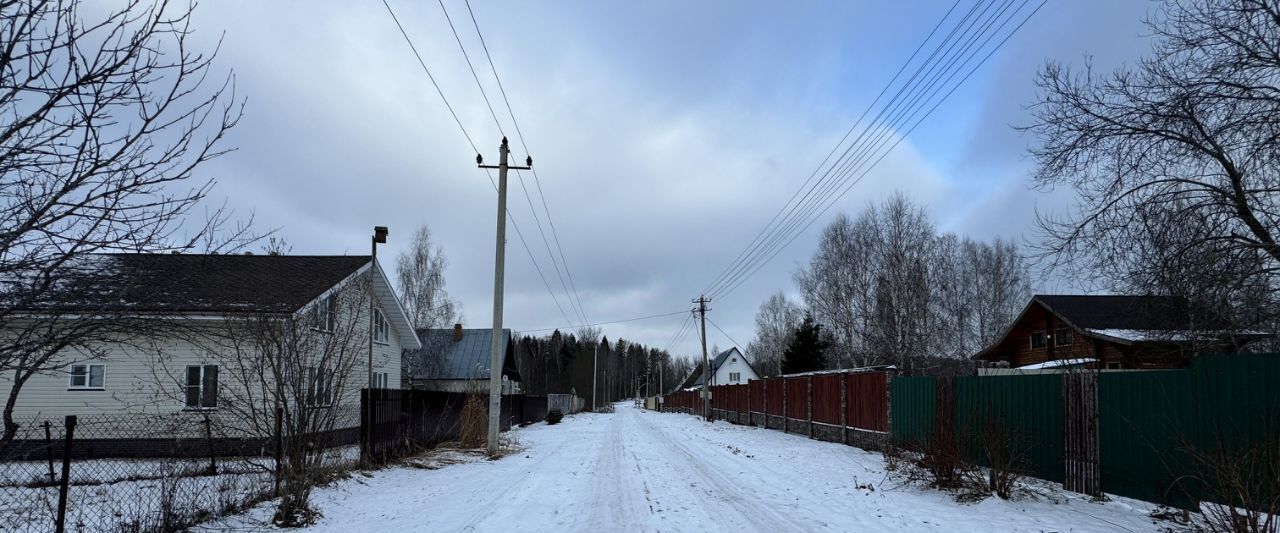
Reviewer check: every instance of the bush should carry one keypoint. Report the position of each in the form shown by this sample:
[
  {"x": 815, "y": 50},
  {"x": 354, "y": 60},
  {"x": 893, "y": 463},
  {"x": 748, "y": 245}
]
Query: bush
[{"x": 554, "y": 416}]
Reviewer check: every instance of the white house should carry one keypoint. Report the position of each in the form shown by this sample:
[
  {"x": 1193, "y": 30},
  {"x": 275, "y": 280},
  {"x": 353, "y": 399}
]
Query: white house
[
  {"x": 184, "y": 365},
  {"x": 730, "y": 367}
]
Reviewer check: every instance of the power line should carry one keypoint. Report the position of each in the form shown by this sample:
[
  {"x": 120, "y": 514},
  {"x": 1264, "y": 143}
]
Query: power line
[
  {"x": 573, "y": 302},
  {"x": 863, "y": 174},
  {"x": 789, "y": 220},
  {"x": 555, "y": 234},
  {"x": 749, "y": 247},
  {"x": 881, "y": 130},
  {"x": 471, "y": 143},
  {"x": 662, "y": 315},
  {"x": 727, "y": 336},
  {"x": 937, "y": 75}
]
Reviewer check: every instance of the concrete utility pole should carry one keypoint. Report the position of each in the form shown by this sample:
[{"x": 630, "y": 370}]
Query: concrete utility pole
[
  {"x": 595, "y": 356},
  {"x": 499, "y": 264},
  {"x": 706, "y": 365}
]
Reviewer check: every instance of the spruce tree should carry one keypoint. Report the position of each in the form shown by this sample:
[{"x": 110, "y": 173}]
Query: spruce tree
[{"x": 807, "y": 350}]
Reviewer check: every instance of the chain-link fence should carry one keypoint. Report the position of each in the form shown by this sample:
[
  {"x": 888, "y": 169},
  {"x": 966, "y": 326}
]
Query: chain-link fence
[{"x": 141, "y": 472}]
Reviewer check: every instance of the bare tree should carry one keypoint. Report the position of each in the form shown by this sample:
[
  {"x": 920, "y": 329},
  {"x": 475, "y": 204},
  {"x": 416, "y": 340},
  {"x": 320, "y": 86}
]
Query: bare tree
[
  {"x": 108, "y": 115},
  {"x": 889, "y": 289},
  {"x": 295, "y": 377},
  {"x": 1176, "y": 160},
  {"x": 776, "y": 321},
  {"x": 420, "y": 281}
]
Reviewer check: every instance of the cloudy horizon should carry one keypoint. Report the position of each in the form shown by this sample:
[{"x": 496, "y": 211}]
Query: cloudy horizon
[{"x": 665, "y": 136}]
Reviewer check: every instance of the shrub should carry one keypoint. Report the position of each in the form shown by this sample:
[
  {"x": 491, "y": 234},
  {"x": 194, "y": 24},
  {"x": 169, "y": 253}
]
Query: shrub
[{"x": 554, "y": 416}]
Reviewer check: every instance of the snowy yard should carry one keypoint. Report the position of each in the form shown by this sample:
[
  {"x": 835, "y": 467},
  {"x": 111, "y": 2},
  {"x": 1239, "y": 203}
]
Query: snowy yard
[{"x": 644, "y": 471}]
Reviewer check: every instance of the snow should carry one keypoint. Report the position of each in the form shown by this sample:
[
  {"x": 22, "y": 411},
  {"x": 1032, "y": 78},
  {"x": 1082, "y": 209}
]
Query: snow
[
  {"x": 637, "y": 470},
  {"x": 1058, "y": 363}
]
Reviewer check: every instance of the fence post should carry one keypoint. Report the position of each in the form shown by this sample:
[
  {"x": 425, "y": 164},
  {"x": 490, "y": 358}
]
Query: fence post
[
  {"x": 765, "y": 408},
  {"x": 65, "y": 484},
  {"x": 786, "y": 420},
  {"x": 279, "y": 447},
  {"x": 809, "y": 403},
  {"x": 208, "y": 435},
  {"x": 844, "y": 408},
  {"x": 48, "y": 448}
]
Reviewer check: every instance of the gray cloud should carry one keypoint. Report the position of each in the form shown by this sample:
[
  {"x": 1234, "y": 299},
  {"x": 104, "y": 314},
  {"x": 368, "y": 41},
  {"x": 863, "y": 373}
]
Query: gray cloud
[{"x": 665, "y": 135}]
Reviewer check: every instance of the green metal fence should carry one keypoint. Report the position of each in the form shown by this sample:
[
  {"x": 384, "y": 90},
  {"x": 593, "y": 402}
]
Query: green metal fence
[
  {"x": 1152, "y": 426},
  {"x": 1155, "y": 428}
]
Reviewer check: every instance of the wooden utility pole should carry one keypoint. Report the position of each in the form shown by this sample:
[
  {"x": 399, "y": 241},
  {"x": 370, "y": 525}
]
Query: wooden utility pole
[
  {"x": 499, "y": 264},
  {"x": 706, "y": 366}
]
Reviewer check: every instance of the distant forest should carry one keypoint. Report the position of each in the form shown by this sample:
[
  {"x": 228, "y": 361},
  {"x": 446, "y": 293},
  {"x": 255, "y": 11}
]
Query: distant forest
[{"x": 562, "y": 363}]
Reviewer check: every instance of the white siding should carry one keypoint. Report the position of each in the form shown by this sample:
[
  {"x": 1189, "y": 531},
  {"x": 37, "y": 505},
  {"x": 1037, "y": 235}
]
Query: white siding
[
  {"x": 734, "y": 364},
  {"x": 147, "y": 378}
]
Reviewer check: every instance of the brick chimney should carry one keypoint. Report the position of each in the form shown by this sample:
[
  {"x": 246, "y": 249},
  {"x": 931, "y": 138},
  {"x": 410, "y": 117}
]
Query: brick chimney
[{"x": 457, "y": 332}]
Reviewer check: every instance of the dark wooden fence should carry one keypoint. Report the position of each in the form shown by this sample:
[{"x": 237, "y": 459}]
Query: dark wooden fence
[{"x": 397, "y": 422}]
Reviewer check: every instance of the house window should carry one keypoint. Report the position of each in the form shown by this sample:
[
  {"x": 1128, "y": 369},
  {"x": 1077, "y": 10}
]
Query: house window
[
  {"x": 1062, "y": 337},
  {"x": 325, "y": 314},
  {"x": 381, "y": 380},
  {"x": 735, "y": 376},
  {"x": 88, "y": 377},
  {"x": 319, "y": 387},
  {"x": 1114, "y": 365},
  {"x": 202, "y": 386},
  {"x": 1038, "y": 339},
  {"x": 381, "y": 329}
]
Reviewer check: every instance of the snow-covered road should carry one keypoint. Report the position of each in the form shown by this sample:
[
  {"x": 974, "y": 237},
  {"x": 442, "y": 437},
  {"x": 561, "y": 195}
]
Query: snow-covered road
[{"x": 643, "y": 471}]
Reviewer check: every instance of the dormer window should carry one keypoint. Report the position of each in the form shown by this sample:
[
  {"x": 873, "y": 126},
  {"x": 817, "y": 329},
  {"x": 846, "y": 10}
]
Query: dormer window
[{"x": 1038, "y": 339}]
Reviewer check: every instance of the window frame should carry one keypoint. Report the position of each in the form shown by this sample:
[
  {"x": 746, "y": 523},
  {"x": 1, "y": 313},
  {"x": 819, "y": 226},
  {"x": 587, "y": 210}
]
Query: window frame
[
  {"x": 88, "y": 377},
  {"x": 381, "y": 327},
  {"x": 1044, "y": 339},
  {"x": 319, "y": 388},
  {"x": 381, "y": 380},
  {"x": 324, "y": 317},
  {"x": 201, "y": 388},
  {"x": 1057, "y": 338}
]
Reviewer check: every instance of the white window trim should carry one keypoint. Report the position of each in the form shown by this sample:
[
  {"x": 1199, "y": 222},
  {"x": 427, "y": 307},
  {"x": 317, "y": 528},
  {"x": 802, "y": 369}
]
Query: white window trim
[
  {"x": 330, "y": 308},
  {"x": 200, "y": 402},
  {"x": 324, "y": 377},
  {"x": 381, "y": 326},
  {"x": 88, "y": 374}
]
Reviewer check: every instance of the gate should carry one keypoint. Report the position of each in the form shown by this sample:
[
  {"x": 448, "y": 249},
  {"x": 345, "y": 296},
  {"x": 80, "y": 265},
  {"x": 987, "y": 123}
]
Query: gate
[{"x": 1080, "y": 433}]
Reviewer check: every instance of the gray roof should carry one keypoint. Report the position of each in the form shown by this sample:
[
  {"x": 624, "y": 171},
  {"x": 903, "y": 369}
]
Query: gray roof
[{"x": 441, "y": 357}]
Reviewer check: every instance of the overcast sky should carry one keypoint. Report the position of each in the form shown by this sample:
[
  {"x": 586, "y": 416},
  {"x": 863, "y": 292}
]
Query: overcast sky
[{"x": 666, "y": 135}]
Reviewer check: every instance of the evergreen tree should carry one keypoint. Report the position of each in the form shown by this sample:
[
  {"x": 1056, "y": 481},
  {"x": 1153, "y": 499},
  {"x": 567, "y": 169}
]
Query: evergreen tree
[{"x": 807, "y": 350}]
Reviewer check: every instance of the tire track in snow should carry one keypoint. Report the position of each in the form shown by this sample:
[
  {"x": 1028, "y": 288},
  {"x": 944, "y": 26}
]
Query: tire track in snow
[{"x": 759, "y": 514}]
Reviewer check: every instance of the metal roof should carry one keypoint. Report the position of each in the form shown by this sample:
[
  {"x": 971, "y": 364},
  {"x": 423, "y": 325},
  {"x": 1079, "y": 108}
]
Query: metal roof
[{"x": 441, "y": 357}]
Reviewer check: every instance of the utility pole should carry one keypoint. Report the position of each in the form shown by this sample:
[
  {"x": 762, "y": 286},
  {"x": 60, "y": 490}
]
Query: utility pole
[
  {"x": 595, "y": 356},
  {"x": 499, "y": 264},
  {"x": 706, "y": 365}
]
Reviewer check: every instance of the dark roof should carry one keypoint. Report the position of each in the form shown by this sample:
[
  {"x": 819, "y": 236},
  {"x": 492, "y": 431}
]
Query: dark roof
[
  {"x": 195, "y": 283},
  {"x": 441, "y": 357},
  {"x": 1121, "y": 312}
]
